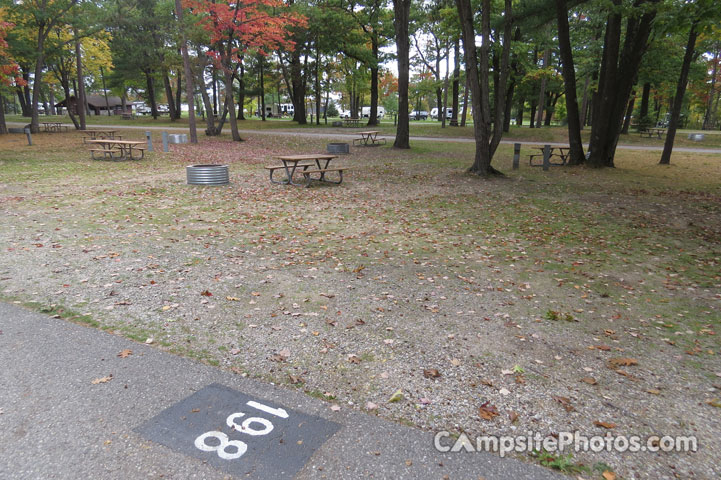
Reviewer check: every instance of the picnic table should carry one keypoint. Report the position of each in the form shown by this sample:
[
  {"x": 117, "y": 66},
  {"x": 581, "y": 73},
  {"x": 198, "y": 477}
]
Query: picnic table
[
  {"x": 560, "y": 152},
  {"x": 351, "y": 122},
  {"x": 116, "y": 149},
  {"x": 306, "y": 163},
  {"x": 100, "y": 134},
  {"x": 53, "y": 127},
  {"x": 652, "y": 132},
  {"x": 369, "y": 139}
]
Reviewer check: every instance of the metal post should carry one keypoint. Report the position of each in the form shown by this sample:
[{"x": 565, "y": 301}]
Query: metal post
[
  {"x": 150, "y": 141},
  {"x": 516, "y": 155},
  {"x": 546, "y": 157},
  {"x": 165, "y": 141},
  {"x": 30, "y": 138}
]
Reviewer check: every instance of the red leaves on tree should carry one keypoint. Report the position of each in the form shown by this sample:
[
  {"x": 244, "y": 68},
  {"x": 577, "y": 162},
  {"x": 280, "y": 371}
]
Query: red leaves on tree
[
  {"x": 236, "y": 26},
  {"x": 9, "y": 70}
]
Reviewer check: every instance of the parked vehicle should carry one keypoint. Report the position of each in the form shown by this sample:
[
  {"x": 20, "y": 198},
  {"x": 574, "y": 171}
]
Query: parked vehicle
[
  {"x": 344, "y": 114},
  {"x": 366, "y": 111},
  {"x": 143, "y": 109},
  {"x": 418, "y": 115},
  {"x": 449, "y": 113}
]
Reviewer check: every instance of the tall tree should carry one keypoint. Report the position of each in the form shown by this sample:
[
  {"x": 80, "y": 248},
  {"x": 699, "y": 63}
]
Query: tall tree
[
  {"x": 402, "y": 12},
  {"x": 569, "y": 80},
  {"x": 237, "y": 26},
  {"x": 189, "y": 90},
  {"x": 618, "y": 74},
  {"x": 487, "y": 133},
  {"x": 9, "y": 71},
  {"x": 40, "y": 17}
]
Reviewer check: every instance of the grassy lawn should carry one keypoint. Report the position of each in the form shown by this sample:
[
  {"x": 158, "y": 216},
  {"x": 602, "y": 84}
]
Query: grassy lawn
[{"x": 518, "y": 291}]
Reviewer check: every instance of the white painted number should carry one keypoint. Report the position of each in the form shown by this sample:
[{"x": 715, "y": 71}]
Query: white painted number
[
  {"x": 245, "y": 426},
  {"x": 278, "y": 412},
  {"x": 222, "y": 449},
  {"x": 238, "y": 448}
]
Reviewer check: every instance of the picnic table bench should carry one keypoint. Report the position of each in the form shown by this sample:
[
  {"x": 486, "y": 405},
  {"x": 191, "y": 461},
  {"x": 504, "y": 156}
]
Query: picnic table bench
[
  {"x": 652, "y": 132},
  {"x": 560, "y": 152},
  {"x": 306, "y": 163},
  {"x": 100, "y": 134},
  {"x": 351, "y": 122},
  {"x": 115, "y": 149},
  {"x": 127, "y": 116},
  {"x": 51, "y": 127},
  {"x": 369, "y": 139}
]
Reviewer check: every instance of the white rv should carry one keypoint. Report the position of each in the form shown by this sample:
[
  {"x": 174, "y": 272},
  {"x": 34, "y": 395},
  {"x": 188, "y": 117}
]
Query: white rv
[{"x": 366, "y": 112}]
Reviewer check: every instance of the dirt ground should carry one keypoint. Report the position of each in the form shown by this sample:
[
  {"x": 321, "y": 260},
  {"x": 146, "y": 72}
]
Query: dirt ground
[{"x": 549, "y": 302}]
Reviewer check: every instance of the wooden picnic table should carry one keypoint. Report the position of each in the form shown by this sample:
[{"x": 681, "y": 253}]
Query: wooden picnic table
[
  {"x": 560, "y": 152},
  {"x": 652, "y": 132},
  {"x": 351, "y": 122},
  {"x": 53, "y": 127},
  {"x": 291, "y": 163},
  {"x": 116, "y": 149},
  {"x": 369, "y": 139}
]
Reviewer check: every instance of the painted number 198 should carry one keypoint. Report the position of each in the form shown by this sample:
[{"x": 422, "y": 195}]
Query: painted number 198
[{"x": 254, "y": 426}]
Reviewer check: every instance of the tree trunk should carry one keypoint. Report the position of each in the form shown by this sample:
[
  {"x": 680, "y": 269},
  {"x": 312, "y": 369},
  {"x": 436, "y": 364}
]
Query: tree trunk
[
  {"x": 464, "y": 111},
  {"x": 576, "y": 156},
  {"x": 542, "y": 94},
  {"x": 241, "y": 92},
  {"x": 178, "y": 93},
  {"x": 643, "y": 110},
  {"x": 680, "y": 92},
  {"x": 584, "y": 102},
  {"x": 629, "y": 113},
  {"x": 521, "y": 108},
  {"x": 402, "y": 9},
  {"x": 3, "y": 125},
  {"x": 456, "y": 80},
  {"x": 486, "y": 141},
  {"x": 619, "y": 69},
  {"x": 298, "y": 94},
  {"x": 150, "y": 85},
  {"x": 189, "y": 94},
  {"x": 262, "y": 86},
  {"x": 229, "y": 103},
  {"x": 318, "y": 93},
  {"x": 708, "y": 117},
  {"x": 169, "y": 96},
  {"x": 80, "y": 98},
  {"x": 373, "y": 114}
]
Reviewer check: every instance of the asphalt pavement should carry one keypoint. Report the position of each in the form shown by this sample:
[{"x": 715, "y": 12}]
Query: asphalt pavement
[{"x": 79, "y": 403}]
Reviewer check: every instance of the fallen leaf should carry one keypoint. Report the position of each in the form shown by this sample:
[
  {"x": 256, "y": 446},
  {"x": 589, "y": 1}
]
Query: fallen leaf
[
  {"x": 206, "y": 293},
  {"x": 487, "y": 411},
  {"x": 102, "y": 380},
  {"x": 409, "y": 463},
  {"x": 294, "y": 380},
  {"x": 232, "y": 299},
  {"x": 714, "y": 402},
  {"x": 166, "y": 308},
  {"x": 504, "y": 391},
  {"x": 565, "y": 402},
  {"x": 607, "y": 425},
  {"x": 335, "y": 408},
  {"x": 589, "y": 380},
  {"x": 621, "y": 362},
  {"x": 371, "y": 406},
  {"x": 354, "y": 359},
  {"x": 125, "y": 353},
  {"x": 431, "y": 373},
  {"x": 608, "y": 475},
  {"x": 396, "y": 397},
  {"x": 653, "y": 391},
  {"x": 150, "y": 341},
  {"x": 513, "y": 416}
]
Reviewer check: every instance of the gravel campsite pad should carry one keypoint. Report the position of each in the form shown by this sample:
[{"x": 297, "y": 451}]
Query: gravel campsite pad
[{"x": 572, "y": 300}]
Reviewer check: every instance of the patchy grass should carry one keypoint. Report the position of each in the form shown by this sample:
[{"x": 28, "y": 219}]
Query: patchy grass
[{"x": 352, "y": 291}]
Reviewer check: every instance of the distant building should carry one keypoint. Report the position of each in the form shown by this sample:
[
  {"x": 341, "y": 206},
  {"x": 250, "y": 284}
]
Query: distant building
[{"x": 97, "y": 105}]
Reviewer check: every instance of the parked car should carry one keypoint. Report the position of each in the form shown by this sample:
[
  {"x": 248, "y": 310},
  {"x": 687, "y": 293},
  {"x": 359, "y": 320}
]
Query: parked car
[
  {"x": 449, "y": 113},
  {"x": 344, "y": 114},
  {"x": 143, "y": 109},
  {"x": 418, "y": 115},
  {"x": 162, "y": 108}
]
